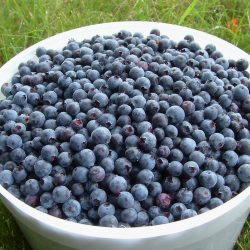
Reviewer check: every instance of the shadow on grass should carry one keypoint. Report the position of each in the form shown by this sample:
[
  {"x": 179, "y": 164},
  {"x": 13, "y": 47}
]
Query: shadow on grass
[
  {"x": 243, "y": 242},
  {"x": 11, "y": 238}
]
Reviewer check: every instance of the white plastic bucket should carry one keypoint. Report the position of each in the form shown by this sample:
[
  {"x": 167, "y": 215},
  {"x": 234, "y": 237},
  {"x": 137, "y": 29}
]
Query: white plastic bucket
[{"x": 216, "y": 229}]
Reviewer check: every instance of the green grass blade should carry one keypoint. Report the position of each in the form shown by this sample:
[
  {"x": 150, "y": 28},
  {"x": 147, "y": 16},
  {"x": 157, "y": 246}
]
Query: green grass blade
[{"x": 188, "y": 11}]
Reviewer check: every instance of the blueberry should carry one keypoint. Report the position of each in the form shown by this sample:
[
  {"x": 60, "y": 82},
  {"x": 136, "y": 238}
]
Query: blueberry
[
  {"x": 50, "y": 112},
  {"x": 229, "y": 144},
  {"x": 107, "y": 164},
  {"x": 42, "y": 168},
  {"x": 31, "y": 187},
  {"x": 32, "y": 200},
  {"x": 142, "y": 83},
  {"x": 9, "y": 115},
  {"x": 125, "y": 200},
  {"x": 145, "y": 177},
  {"x": 14, "y": 190},
  {"x": 116, "y": 140},
  {"x": 176, "y": 73},
  {"x": 101, "y": 151},
  {"x": 160, "y": 135},
  {"x": 98, "y": 197},
  {"x": 187, "y": 146},
  {"x": 163, "y": 151},
  {"x": 158, "y": 220},
  {"x": 171, "y": 184},
  {"x": 176, "y": 155},
  {"x": 191, "y": 168},
  {"x": 108, "y": 221},
  {"x": 163, "y": 200},
  {"x": 49, "y": 153},
  {"x": 223, "y": 121},
  {"x": 147, "y": 141},
  {"x": 123, "y": 166},
  {"x": 184, "y": 196},
  {"x": 144, "y": 127},
  {"x": 13, "y": 141},
  {"x": 101, "y": 135},
  {"x": 71, "y": 208},
  {"x": 138, "y": 101},
  {"x": 197, "y": 117},
  {"x": 142, "y": 219},
  {"x": 138, "y": 115},
  {"x": 80, "y": 174},
  {"x": 133, "y": 154},
  {"x": 202, "y": 195},
  {"x": 128, "y": 130},
  {"x": 96, "y": 174},
  {"x": 224, "y": 193},
  {"x": 100, "y": 100},
  {"x": 152, "y": 107},
  {"x": 46, "y": 183},
  {"x": 78, "y": 142},
  {"x": 180, "y": 61},
  {"x": 243, "y": 172},
  {"x": 136, "y": 72},
  {"x": 214, "y": 202},
  {"x": 61, "y": 194},
  {"x": 230, "y": 158},
  {"x": 41, "y": 51},
  {"x": 20, "y": 98},
  {"x": 86, "y": 158},
  {"x": 188, "y": 213},
  {"x": 210, "y": 113},
  {"x": 154, "y": 211},
  {"x": 197, "y": 157},
  {"x": 19, "y": 129},
  {"x": 49, "y": 97},
  {"x": 147, "y": 162},
  {"x": 6, "y": 178},
  {"x": 124, "y": 109},
  {"x": 208, "y": 179},
  {"x": 211, "y": 164},
  {"x": 128, "y": 215},
  {"x": 43, "y": 67},
  {"x": 117, "y": 184},
  {"x": 175, "y": 114},
  {"x": 242, "y": 64},
  {"x": 36, "y": 119},
  {"x": 77, "y": 189},
  {"x": 106, "y": 209},
  {"x": 177, "y": 209},
  {"x": 140, "y": 192},
  {"x": 244, "y": 146},
  {"x": 208, "y": 126},
  {"x": 203, "y": 210},
  {"x": 17, "y": 155},
  {"x": 46, "y": 200},
  {"x": 72, "y": 108},
  {"x": 240, "y": 92},
  {"x": 191, "y": 183},
  {"x": 175, "y": 168},
  {"x": 85, "y": 202},
  {"x": 107, "y": 120}
]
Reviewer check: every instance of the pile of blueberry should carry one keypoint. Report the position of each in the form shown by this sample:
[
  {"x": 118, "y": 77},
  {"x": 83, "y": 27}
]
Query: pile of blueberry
[{"x": 126, "y": 130}]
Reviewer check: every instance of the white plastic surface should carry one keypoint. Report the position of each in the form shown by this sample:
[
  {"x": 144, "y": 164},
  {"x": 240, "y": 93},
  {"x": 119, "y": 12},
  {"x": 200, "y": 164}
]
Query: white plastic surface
[{"x": 216, "y": 229}]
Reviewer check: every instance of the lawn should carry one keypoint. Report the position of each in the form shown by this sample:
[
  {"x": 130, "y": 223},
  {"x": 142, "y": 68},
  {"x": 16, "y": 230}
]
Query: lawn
[{"x": 25, "y": 22}]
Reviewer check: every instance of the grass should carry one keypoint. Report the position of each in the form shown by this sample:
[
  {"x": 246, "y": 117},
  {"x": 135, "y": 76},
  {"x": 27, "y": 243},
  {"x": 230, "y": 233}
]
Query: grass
[{"x": 25, "y": 22}]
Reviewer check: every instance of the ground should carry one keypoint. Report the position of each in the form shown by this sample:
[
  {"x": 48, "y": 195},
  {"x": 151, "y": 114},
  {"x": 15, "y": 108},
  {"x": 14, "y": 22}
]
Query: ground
[{"x": 25, "y": 22}]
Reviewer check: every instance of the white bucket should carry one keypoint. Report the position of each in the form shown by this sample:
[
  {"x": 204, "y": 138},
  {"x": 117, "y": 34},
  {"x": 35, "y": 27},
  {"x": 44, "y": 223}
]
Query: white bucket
[{"x": 217, "y": 229}]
